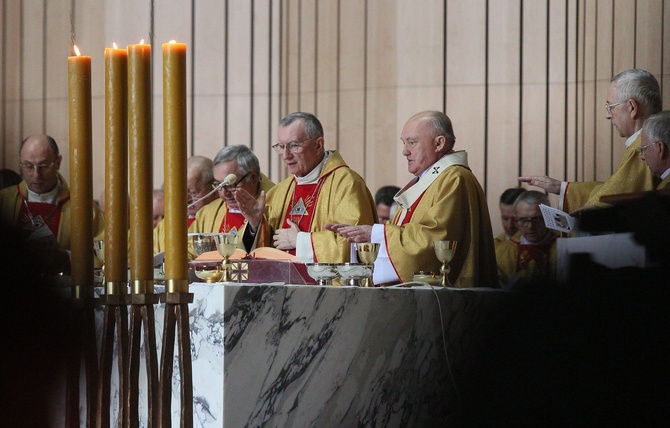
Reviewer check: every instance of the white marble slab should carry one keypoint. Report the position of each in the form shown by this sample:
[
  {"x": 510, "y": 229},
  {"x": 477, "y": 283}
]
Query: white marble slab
[{"x": 322, "y": 356}]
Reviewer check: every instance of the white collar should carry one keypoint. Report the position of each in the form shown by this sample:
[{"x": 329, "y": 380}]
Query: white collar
[
  {"x": 50, "y": 197},
  {"x": 632, "y": 138},
  {"x": 665, "y": 174},
  {"x": 313, "y": 176}
]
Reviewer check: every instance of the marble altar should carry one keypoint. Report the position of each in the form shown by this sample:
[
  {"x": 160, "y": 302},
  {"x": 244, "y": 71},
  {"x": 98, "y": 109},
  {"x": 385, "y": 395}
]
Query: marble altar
[{"x": 305, "y": 355}]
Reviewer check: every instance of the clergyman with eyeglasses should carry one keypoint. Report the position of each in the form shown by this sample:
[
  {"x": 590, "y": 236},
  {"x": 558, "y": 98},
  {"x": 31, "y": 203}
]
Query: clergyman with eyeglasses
[
  {"x": 530, "y": 254},
  {"x": 224, "y": 214},
  {"x": 39, "y": 206},
  {"x": 199, "y": 176},
  {"x": 321, "y": 189},
  {"x": 655, "y": 149},
  {"x": 633, "y": 96}
]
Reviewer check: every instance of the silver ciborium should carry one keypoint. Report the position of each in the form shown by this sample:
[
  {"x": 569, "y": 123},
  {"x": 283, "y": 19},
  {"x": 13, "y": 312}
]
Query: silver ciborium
[
  {"x": 202, "y": 242},
  {"x": 322, "y": 273},
  {"x": 354, "y": 273},
  {"x": 444, "y": 250}
]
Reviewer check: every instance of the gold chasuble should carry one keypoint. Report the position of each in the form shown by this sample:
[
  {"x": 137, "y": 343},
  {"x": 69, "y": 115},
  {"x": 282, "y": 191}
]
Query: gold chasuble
[
  {"x": 214, "y": 218},
  {"x": 340, "y": 197},
  {"x": 632, "y": 175},
  {"x": 446, "y": 203},
  {"x": 536, "y": 262},
  {"x": 16, "y": 211},
  {"x": 665, "y": 184}
]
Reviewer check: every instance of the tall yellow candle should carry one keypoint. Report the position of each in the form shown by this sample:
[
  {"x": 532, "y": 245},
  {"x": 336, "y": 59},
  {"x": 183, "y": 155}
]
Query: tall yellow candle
[
  {"x": 116, "y": 170},
  {"x": 81, "y": 179},
  {"x": 141, "y": 168},
  {"x": 174, "y": 131}
]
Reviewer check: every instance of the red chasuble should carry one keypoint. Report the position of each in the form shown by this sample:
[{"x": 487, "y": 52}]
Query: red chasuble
[
  {"x": 40, "y": 212},
  {"x": 232, "y": 223},
  {"x": 534, "y": 259},
  {"x": 301, "y": 209}
]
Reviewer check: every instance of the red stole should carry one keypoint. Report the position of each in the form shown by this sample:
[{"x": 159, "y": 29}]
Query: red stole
[
  {"x": 42, "y": 212},
  {"x": 232, "y": 223},
  {"x": 410, "y": 211},
  {"x": 534, "y": 258},
  {"x": 301, "y": 209}
]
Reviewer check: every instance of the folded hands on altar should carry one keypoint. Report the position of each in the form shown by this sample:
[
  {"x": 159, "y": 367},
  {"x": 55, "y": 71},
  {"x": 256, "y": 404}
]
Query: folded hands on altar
[{"x": 352, "y": 233}]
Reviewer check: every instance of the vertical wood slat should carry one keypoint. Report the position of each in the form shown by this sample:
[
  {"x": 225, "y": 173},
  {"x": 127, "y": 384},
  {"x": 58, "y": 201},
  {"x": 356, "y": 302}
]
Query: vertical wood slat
[{"x": 503, "y": 100}]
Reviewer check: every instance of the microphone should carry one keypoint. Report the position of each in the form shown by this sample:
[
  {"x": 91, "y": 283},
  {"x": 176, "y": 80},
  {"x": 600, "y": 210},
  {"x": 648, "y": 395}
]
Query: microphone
[{"x": 230, "y": 179}]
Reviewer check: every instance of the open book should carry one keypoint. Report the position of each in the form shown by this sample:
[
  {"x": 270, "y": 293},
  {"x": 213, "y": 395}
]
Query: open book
[{"x": 268, "y": 253}]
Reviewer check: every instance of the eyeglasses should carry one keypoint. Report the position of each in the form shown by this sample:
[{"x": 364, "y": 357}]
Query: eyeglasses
[
  {"x": 525, "y": 221},
  {"x": 195, "y": 195},
  {"x": 28, "y": 167},
  {"x": 640, "y": 150},
  {"x": 294, "y": 147},
  {"x": 229, "y": 187},
  {"x": 608, "y": 107}
]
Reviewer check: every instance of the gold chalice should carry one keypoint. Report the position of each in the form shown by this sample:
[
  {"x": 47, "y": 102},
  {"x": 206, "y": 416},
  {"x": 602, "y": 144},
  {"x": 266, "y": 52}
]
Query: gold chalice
[
  {"x": 226, "y": 244},
  {"x": 99, "y": 249},
  {"x": 444, "y": 250},
  {"x": 367, "y": 253}
]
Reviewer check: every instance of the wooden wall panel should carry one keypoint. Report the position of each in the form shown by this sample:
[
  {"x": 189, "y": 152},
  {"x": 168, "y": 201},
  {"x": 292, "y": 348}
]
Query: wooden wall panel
[
  {"x": 307, "y": 55},
  {"x": 603, "y": 135},
  {"x": 351, "y": 115},
  {"x": 262, "y": 118},
  {"x": 557, "y": 91},
  {"x": 650, "y": 29},
  {"x": 533, "y": 137},
  {"x": 275, "y": 111},
  {"x": 208, "y": 79},
  {"x": 11, "y": 84},
  {"x": 504, "y": 91},
  {"x": 524, "y": 82},
  {"x": 33, "y": 78},
  {"x": 588, "y": 137},
  {"x": 419, "y": 53},
  {"x": 328, "y": 71},
  {"x": 239, "y": 72},
  {"x": 465, "y": 52},
  {"x": 383, "y": 129}
]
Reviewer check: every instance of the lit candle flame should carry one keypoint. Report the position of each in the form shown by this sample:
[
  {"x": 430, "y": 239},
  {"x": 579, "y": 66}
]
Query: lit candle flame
[
  {"x": 114, "y": 44},
  {"x": 172, "y": 42},
  {"x": 76, "y": 50},
  {"x": 142, "y": 41}
]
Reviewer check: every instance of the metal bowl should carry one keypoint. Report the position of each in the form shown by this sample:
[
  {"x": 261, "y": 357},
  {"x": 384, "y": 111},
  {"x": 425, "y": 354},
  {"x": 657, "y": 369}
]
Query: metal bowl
[{"x": 323, "y": 273}]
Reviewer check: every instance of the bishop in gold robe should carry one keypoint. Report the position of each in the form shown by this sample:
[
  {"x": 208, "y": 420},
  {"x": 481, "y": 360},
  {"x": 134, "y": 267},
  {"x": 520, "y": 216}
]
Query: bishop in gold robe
[{"x": 443, "y": 202}]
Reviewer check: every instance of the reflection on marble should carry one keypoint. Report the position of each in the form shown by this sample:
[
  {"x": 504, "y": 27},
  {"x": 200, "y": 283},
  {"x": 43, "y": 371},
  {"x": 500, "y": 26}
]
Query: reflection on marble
[{"x": 324, "y": 356}]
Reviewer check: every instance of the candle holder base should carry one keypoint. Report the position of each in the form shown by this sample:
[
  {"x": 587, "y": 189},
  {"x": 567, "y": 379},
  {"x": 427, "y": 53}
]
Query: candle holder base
[
  {"x": 176, "y": 298},
  {"x": 144, "y": 299}
]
